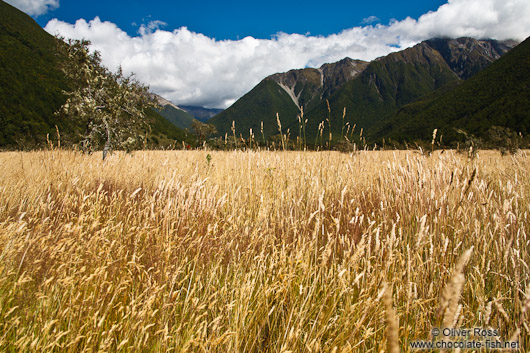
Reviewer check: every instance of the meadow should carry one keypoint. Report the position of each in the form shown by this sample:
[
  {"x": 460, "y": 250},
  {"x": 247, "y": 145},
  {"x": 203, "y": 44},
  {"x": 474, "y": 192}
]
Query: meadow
[{"x": 259, "y": 251}]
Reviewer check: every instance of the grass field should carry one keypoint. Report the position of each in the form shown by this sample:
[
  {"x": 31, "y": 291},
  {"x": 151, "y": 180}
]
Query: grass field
[{"x": 197, "y": 251}]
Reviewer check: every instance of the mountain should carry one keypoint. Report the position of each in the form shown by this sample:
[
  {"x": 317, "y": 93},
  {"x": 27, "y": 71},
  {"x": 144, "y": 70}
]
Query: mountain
[
  {"x": 308, "y": 87},
  {"x": 391, "y": 82},
  {"x": 285, "y": 94},
  {"x": 495, "y": 99},
  {"x": 369, "y": 91},
  {"x": 259, "y": 105},
  {"x": 31, "y": 86},
  {"x": 201, "y": 113},
  {"x": 386, "y": 83},
  {"x": 182, "y": 116},
  {"x": 467, "y": 56},
  {"x": 174, "y": 114}
]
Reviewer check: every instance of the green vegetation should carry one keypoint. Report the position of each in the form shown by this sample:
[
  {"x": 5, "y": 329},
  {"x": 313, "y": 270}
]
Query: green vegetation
[
  {"x": 164, "y": 134},
  {"x": 260, "y": 104},
  {"x": 305, "y": 83},
  {"x": 379, "y": 90},
  {"x": 111, "y": 106},
  {"x": 398, "y": 99},
  {"x": 466, "y": 56},
  {"x": 177, "y": 117},
  {"x": 383, "y": 87},
  {"x": 31, "y": 83},
  {"x": 202, "y": 131},
  {"x": 201, "y": 113}
]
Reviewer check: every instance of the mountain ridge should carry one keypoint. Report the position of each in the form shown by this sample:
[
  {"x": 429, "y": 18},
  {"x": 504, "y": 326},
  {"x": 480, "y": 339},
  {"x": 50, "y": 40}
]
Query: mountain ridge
[
  {"x": 497, "y": 97},
  {"x": 173, "y": 113},
  {"x": 201, "y": 113},
  {"x": 368, "y": 91}
]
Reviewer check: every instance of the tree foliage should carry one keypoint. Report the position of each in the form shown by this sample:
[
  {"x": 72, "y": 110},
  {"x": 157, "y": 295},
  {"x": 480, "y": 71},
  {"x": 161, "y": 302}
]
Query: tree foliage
[
  {"x": 202, "y": 131},
  {"x": 110, "y": 106}
]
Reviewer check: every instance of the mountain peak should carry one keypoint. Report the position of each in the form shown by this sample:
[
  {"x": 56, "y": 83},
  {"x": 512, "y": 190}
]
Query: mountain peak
[
  {"x": 467, "y": 56},
  {"x": 337, "y": 74},
  {"x": 309, "y": 86}
]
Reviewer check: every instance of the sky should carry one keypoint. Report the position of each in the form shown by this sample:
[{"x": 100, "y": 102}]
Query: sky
[{"x": 210, "y": 53}]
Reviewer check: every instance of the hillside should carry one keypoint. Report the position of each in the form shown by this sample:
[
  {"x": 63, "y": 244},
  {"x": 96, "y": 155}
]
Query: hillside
[
  {"x": 31, "y": 86},
  {"x": 201, "y": 113},
  {"x": 467, "y": 56},
  {"x": 309, "y": 87},
  {"x": 259, "y": 105},
  {"x": 385, "y": 84},
  {"x": 30, "y": 82},
  {"x": 497, "y": 96},
  {"x": 174, "y": 114}
]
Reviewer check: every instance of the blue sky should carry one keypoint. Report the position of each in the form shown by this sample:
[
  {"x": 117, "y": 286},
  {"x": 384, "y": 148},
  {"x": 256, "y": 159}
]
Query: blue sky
[
  {"x": 212, "y": 53},
  {"x": 238, "y": 19}
]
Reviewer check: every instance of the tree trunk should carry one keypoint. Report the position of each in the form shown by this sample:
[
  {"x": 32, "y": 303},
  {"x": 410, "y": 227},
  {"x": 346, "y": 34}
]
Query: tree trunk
[{"x": 106, "y": 149}]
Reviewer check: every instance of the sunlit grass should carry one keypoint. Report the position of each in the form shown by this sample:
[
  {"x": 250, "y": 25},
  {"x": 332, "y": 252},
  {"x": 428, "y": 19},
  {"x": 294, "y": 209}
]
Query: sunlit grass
[{"x": 260, "y": 251}]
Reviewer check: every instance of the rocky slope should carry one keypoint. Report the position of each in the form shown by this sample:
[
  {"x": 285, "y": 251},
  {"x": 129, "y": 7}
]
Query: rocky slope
[
  {"x": 174, "y": 114},
  {"x": 308, "y": 87},
  {"x": 467, "y": 56}
]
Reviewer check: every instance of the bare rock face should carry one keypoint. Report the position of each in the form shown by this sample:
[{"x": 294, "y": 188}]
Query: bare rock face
[
  {"x": 308, "y": 87},
  {"x": 467, "y": 56},
  {"x": 303, "y": 85}
]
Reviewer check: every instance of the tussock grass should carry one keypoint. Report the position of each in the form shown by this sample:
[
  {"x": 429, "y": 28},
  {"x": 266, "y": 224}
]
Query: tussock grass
[{"x": 260, "y": 251}]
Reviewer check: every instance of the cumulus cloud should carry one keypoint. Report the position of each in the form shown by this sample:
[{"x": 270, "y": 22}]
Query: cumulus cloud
[
  {"x": 191, "y": 68},
  {"x": 34, "y": 7}
]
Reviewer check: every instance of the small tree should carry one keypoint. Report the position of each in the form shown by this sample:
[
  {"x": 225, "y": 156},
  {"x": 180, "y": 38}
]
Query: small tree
[
  {"x": 202, "y": 130},
  {"x": 504, "y": 139},
  {"x": 109, "y": 105}
]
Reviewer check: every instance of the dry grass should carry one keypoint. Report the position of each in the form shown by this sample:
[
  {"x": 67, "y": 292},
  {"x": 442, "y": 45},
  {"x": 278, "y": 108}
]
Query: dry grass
[{"x": 259, "y": 251}]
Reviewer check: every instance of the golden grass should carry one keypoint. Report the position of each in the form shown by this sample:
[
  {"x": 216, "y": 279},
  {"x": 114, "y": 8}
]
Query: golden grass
[{"x": 260, "y": 251}]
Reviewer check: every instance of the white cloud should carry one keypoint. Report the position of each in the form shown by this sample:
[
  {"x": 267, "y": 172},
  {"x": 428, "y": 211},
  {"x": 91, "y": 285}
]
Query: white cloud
[
  {"x": 151, "y": 27},
  {"x": 191, "y": 68},
  {"x": 370, "y": 19},
  {"x": 34, "y": 7}
]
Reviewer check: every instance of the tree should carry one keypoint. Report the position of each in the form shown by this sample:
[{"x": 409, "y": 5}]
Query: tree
[
  {"x": 109, "y": 105},
  {"x": 202, "y": 130}
]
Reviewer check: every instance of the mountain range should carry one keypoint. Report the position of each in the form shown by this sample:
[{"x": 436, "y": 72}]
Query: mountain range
[
  {"x": 182, "y": 116},
  {"x": 375, "y": 95},
  {"x": 174, "y": 114},
  {"x": 201, "y": 113},
  {"x": 286, "y": 94}
]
